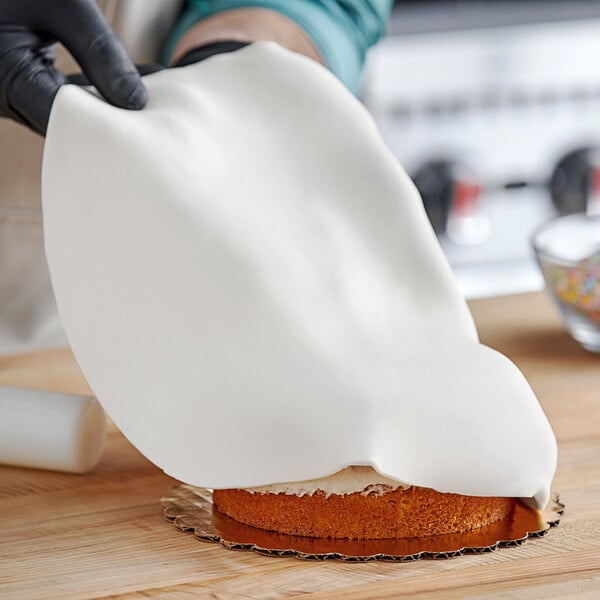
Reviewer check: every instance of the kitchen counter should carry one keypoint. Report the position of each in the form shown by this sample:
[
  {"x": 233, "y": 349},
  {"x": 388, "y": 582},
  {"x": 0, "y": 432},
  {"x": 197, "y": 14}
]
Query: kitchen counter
[{"x": 103, "y": 535}]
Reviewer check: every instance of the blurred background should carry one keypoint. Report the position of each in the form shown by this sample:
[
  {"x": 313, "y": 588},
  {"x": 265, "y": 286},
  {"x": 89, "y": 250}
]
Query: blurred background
[{"x": 494, "y": 110}]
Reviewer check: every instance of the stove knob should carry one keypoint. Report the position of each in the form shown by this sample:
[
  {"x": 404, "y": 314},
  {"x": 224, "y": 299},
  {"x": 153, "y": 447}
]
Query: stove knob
[
  {"x": 575, "y": 183},
  {"x": 451, "y": 196},
  {"x": 434, "y": 180}
]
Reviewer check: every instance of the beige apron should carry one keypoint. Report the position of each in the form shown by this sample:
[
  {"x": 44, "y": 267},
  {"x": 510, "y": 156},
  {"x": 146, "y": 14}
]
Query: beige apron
[{"x": 28, "y": 316}]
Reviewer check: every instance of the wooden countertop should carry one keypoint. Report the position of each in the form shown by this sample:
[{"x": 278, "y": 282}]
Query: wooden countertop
[{"x": 103, "y": 535}]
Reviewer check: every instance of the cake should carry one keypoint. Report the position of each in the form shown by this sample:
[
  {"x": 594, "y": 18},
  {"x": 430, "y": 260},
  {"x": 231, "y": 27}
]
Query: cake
[{"x": 359, "y": 503}]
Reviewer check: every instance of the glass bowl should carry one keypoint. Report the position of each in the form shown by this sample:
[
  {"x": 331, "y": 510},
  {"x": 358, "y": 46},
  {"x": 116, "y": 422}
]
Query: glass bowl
[{"x": 568, "y": 253}]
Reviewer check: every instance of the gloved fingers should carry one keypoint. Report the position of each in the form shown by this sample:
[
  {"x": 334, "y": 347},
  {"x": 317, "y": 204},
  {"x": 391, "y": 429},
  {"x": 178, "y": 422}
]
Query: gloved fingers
[
  {"x": 81, "y": 79},
  {"x": 41, "y": 83},
  {"x": 80, "y": 26},
  {"x": 30, "y": 81}
]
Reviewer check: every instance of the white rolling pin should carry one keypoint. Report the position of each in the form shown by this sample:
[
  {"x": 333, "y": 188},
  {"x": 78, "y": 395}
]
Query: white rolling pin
[{"x": 49, "y": 430}]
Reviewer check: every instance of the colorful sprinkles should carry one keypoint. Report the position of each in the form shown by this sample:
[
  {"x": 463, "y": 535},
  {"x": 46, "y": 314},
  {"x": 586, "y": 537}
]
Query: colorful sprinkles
[{"x": 579, "y": 286}]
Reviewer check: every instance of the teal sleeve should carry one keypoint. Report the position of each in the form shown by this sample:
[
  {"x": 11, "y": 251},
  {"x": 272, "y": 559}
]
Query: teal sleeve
[{"x": 343, "y": 30}]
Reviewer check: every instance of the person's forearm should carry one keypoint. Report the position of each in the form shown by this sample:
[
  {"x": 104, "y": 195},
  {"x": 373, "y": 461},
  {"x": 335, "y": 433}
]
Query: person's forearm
[{"x": 247, "y": 25}]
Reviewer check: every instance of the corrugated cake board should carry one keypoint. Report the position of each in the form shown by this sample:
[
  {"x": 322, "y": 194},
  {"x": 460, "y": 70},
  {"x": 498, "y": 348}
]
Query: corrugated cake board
[{"x": 191, "y": 510}]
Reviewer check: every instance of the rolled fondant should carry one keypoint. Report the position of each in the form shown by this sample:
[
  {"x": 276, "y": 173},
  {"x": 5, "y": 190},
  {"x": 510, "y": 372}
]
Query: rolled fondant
[{"x": 251, "y": 286}]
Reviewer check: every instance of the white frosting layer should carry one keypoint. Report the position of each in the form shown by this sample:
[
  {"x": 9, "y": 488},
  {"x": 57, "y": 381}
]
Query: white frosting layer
[
  {"x": 250, "y": 284},
  {"x": 350, "y": 480}
]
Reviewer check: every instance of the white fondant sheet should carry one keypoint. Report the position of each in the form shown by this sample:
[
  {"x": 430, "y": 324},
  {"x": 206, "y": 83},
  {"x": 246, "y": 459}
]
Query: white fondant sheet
[{"x": 249, "y": 282}]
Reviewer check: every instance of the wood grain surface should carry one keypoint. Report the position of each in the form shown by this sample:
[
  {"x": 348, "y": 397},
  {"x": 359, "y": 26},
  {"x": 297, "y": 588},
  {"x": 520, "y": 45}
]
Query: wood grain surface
[{"x": 102, "y": 535}]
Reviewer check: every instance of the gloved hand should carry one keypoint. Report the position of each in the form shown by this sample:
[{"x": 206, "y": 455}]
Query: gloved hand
[{"x": 29, "y": 80}]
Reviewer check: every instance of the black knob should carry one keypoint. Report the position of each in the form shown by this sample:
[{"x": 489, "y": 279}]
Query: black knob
[
  {"x": 446, "y": 188},
  {"x": 575, "y": 182}
]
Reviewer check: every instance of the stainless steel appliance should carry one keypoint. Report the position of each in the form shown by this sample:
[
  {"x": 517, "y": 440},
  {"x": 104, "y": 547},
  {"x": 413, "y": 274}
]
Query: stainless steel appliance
[{"x": 494, "y": 109}]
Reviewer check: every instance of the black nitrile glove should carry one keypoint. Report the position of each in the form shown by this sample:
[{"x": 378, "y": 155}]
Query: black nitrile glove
[{"x": 29, "y": 80}]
